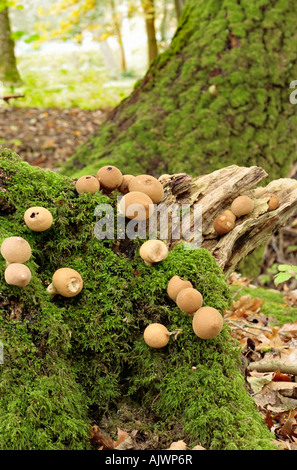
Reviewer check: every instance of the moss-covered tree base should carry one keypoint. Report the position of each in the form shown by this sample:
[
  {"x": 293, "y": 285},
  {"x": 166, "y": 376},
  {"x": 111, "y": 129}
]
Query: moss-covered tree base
[{"x": 70, "y": 363}]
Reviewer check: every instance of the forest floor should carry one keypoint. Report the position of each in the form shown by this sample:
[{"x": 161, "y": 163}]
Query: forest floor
[
  {"x": 47, "y": 137},
  {"x": 262, "y": 318}
]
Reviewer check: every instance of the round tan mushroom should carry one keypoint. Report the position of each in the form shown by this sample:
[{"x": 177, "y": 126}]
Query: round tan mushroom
[
  {"x": 153, "y": 251},
  {"x": 15, "y": 250},
  {"x": 109, "y": 177},
  {"x": 207, "y": 323},
  {"x": 136, "y": 205},
  {"x": 175, "y": 285},
  {"x": 87, "y": 184},
  {"x": 224, "y": 222},
  {"x": 273, "y": 202},
  {"x": 156, "y": 335},
  {"x": 189, "y": 300},
  {"x": 38, "y": 219},
  {"x": 124, "y": 187},
  {"x": 149, "y": 185},
  {"x": 242, "y": 205},
  {"x": 66, "y": 282},
  {"x": 17, "y": 274}
]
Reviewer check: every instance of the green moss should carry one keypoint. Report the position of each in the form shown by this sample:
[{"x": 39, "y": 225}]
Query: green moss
[
  {"x": 171, "y": 123},
  {"x": 71, "y": 363}
]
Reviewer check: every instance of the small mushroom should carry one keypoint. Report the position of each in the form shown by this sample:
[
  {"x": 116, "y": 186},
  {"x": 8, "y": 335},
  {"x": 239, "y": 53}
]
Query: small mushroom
[
  {"x": 224, "y": 222},
  {"x": 175, "y": 285},
  {"x": 273, "y": 202},
  {"x": 207, "y": 323},
  {"x": 136, "y": 205},
  {"x": 87, "y": 184},
  {"x": 189, "y": 300},
  {"x": 149, "y": 185},
  {"x": 156, "y": 335},
  {"x": 17, "y": 274},
  {"x": 66, "y": 282},
  {"x": 15, "y": 250},
  {"x": 123, "y": 188},
  {"x": 109, "y": 177},
  {"x": 38, "y": 219},
  {"x": 242, "y": 205},
  {"x": 153, "y": 251}
]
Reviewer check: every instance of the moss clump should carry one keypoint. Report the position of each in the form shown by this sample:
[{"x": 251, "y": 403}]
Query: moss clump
[
  {"x": 68, "y": 363},
  {"x": 172, "y": 123}
]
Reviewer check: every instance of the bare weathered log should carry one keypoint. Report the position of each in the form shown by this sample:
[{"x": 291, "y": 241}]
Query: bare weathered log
[{"x": 216, "y": 191}]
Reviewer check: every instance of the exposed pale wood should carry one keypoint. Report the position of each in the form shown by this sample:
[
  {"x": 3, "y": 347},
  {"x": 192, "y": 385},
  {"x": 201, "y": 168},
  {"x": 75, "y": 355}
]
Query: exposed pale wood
[{"x": 216, "y": 191}]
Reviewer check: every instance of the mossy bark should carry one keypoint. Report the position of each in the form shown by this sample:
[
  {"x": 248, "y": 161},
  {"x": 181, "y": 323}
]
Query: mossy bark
[
  {"x": 68, "y": 363},
  {"x": 173, "y": 123}
]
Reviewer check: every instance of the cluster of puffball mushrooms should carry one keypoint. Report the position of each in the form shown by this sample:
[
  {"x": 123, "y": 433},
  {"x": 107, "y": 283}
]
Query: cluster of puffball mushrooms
[{"x": 139, "y": 192}]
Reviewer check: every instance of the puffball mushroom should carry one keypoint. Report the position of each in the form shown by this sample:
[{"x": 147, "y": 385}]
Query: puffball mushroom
[
  {"x": 175, "y": 285},
  {"x": 124, "y": 187},
  {"x": 66, "y": 282},
  {"x": 149, "y": 185},
  {"x": 156, "y": 335},
  {"x": 224, "y": 222},
  {"x": 109, "y": 177},
  {"x": 189, "y": 300},
  {"x": 153, "y": 251},
  {"x": 38, "y": 219},
  {"x": 15, "y": 250},
  {"x": 87, "y": 184},
  {"x": 136, "y": 205},
  {"x": 207, "y": 323},
  {"x": 242, "y": 205},
  {"x": 17, "y": 274},
  {"x": 273, "y": 202}
]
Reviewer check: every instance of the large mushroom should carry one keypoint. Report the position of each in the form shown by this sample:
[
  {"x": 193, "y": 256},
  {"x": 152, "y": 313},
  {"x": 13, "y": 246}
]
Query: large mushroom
[
  {"x": 38, "y": 219},
  {"x": 175, "y": 285},
  {"x": 153, "y": 251},
  {"x": 136, "y": 205},
  {"x": 109, "y": 177},
  {"x": 15, "y": 250},
  {"x": 17, "y": 274},
  {"x": 207, "y": 323},
  {"x": 242, "y": 205},
  {"x": 149, "y": 185},
  {"x": 66, "y": 282},
  {"x": 87, "y": 184},
  {"x": 156, "y": 335},
  {"x": 189, "y": 300}
]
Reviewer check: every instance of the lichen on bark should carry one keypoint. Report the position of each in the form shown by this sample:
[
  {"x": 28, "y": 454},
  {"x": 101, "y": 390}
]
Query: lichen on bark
[{"x": 70, "y": 363}]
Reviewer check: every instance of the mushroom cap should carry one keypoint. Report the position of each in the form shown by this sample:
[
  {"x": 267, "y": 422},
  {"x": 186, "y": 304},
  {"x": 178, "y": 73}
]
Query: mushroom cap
[
  {"x": 189, "y": 300},
  {"x": 242, "y": 205},
  {"x": 273, "y": 202},
  {"x": 153, "y": 251},
  {"x": 224, "y": 222},
  {"x": 136, "y": 205},
  {"x": 87, "y": 184},
  {"x": 123, "y": 188},
  {"x": 15, "y": 250},
  {"x": 207, "y": 322},
  {"x": 175, "y": 285},
  {"x": 67, "y": 282},
  {"x": 38, "y": 219},
  {"x": 109, "y": 177},
  {"x": 17, "y": 274},
  {"x": 149, "y": 185},
  {"x": 156, "y": 335}
]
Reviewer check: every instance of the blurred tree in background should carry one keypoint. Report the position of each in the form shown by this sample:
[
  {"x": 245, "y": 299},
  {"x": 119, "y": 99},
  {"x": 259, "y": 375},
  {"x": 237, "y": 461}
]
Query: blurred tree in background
[{"x": 9, "y": 73}]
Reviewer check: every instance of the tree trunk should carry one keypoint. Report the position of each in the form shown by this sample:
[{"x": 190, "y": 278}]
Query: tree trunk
[
  {"x": 117, "y": 26},
  {"x": 83, "y": 360},
  {"x": 149, "y": 11},
  {"x": 218, "y": 96},
  {"x": 179, "y": 5},
  {"x": 8, "y": 69}
]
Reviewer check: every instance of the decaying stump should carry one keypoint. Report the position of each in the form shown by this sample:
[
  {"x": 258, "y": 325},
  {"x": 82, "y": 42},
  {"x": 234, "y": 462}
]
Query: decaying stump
[{"x": 216, "y": 191}]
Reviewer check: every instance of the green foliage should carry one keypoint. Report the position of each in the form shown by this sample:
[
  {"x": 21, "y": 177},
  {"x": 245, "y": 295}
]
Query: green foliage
[
  {"x": 171, "y": 123},
  {"x": 70, "y": 362},
  {"x": 285, "y": 273}
]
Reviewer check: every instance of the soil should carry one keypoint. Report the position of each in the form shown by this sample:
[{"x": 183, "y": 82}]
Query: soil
[{"x": 47, "y": 137}]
